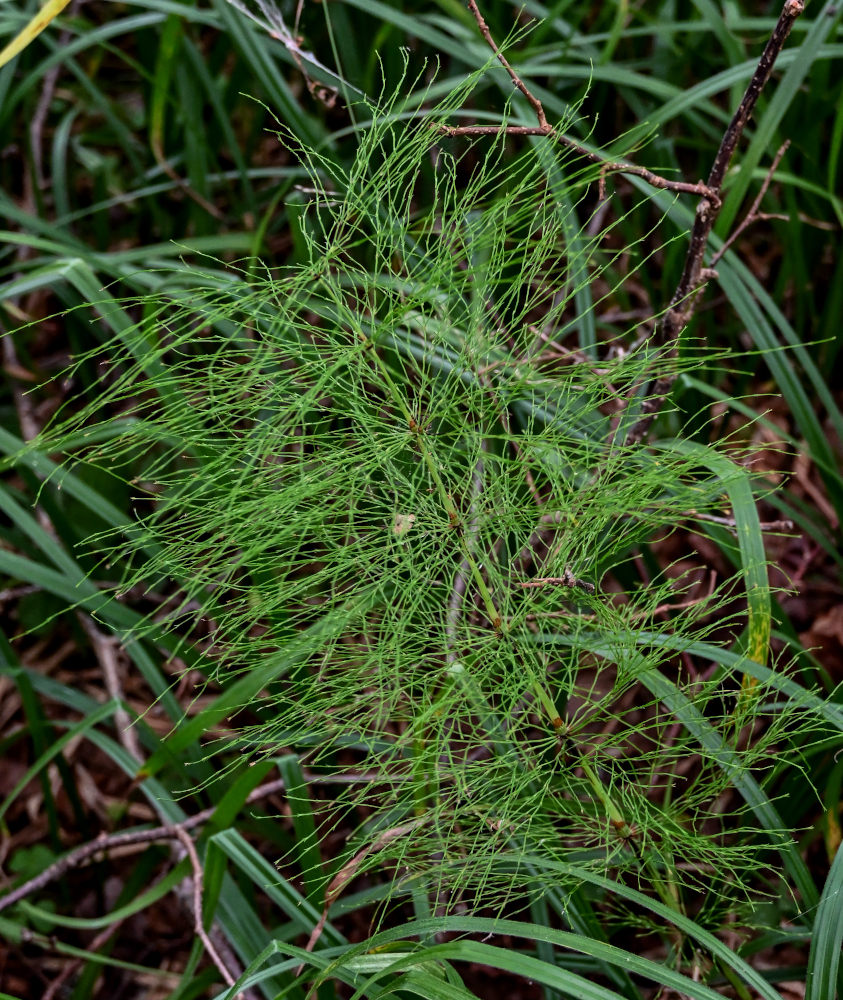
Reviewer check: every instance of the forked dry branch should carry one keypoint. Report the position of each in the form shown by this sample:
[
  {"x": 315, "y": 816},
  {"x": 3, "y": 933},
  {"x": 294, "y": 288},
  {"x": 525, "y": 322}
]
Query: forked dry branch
[
  {"x": 695, "y": 274},
  {"x": 546, "y": 129},
  {"x": 87, "y": 853}
]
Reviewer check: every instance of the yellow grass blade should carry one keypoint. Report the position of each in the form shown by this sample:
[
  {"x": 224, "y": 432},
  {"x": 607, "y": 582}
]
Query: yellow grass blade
[{"x": 48, "y": 12}]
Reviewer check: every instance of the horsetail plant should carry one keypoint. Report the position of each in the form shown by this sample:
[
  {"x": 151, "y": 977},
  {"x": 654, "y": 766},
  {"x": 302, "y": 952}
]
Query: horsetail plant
[{"x": 384, "y": 509}]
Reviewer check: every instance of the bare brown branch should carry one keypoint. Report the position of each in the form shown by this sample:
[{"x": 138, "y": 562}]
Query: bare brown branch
[
  {"x": 546, "y": 129},
  {"x": 695, "y": 275},
  {"x": 109, "y": 842},
  {"x": 349, "y": 871},
  {"x": 106, "y": 648},
  {"x": 566, "y": 580},
  {"x": 198, "y": 925},
  {"x": 755, "y": 214},
  {"x": 609, "y": 166},
  {"x": 535, "y": 103},
  {"x": 784, "y": 524},
  {"x": 790, "y": 12}
]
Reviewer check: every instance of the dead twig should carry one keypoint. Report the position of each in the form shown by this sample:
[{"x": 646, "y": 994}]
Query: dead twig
[
  {"x": 110, "y": 841},
  {"x": 755, "y": 214},
  {"x": 535, "y": 103},
  {"x": 349, "y": 871},
  {"x": 198, "y": 924},
  {"x": 695, "y": 274},
  {"x": 544, "y": 128},
  {"x": 566, "y": 580},
  {"x": 105, "y": 648},
  {"x": 608, "y": 166},
  {"x": 730, "y": 522}
]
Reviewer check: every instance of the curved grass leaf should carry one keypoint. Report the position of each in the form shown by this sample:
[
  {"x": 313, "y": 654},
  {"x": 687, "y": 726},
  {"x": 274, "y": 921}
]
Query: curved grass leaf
[
  {"x": 821, "y": 979},
  {"x": 753, "y": 558}
]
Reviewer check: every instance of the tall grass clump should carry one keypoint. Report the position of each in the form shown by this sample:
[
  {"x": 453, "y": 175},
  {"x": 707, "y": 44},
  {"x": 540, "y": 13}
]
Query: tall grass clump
[{"x": 387, "y": 516}]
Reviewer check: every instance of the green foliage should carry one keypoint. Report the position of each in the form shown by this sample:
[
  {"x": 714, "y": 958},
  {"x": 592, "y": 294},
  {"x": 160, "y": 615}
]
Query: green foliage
[
  {"x": 391, "y": 511},
  {"x": 346, "y": 473}
]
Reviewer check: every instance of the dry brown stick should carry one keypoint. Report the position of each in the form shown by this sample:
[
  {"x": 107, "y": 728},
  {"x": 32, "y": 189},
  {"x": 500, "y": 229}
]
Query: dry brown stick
[
  {"x": 106, "y": 842},
  {"x": 754, "y": 214},
  {"x": 349, "y": 871},
  {"x": 730, "y": 522},
  {"x": 535, "y": 103},
  {"x": 695, "y": 275},
  {"x": 85, "y": 853},
  {"x": 177, "y": 832},
  {"x": 546, "y": 129},
  {"x": 566, "y": 580},
  {"x": 113, "y": 841},
  {"x": 609, "y": 166},
  {"x": 105, "y": 647},
  {"x": 198, "y": 924}
]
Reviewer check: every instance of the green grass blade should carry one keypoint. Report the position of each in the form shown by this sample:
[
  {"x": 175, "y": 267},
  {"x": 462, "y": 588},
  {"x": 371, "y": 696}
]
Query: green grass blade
[
  {"x": 753, "y": 559},
  {"x": 821, "y": 981}
]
